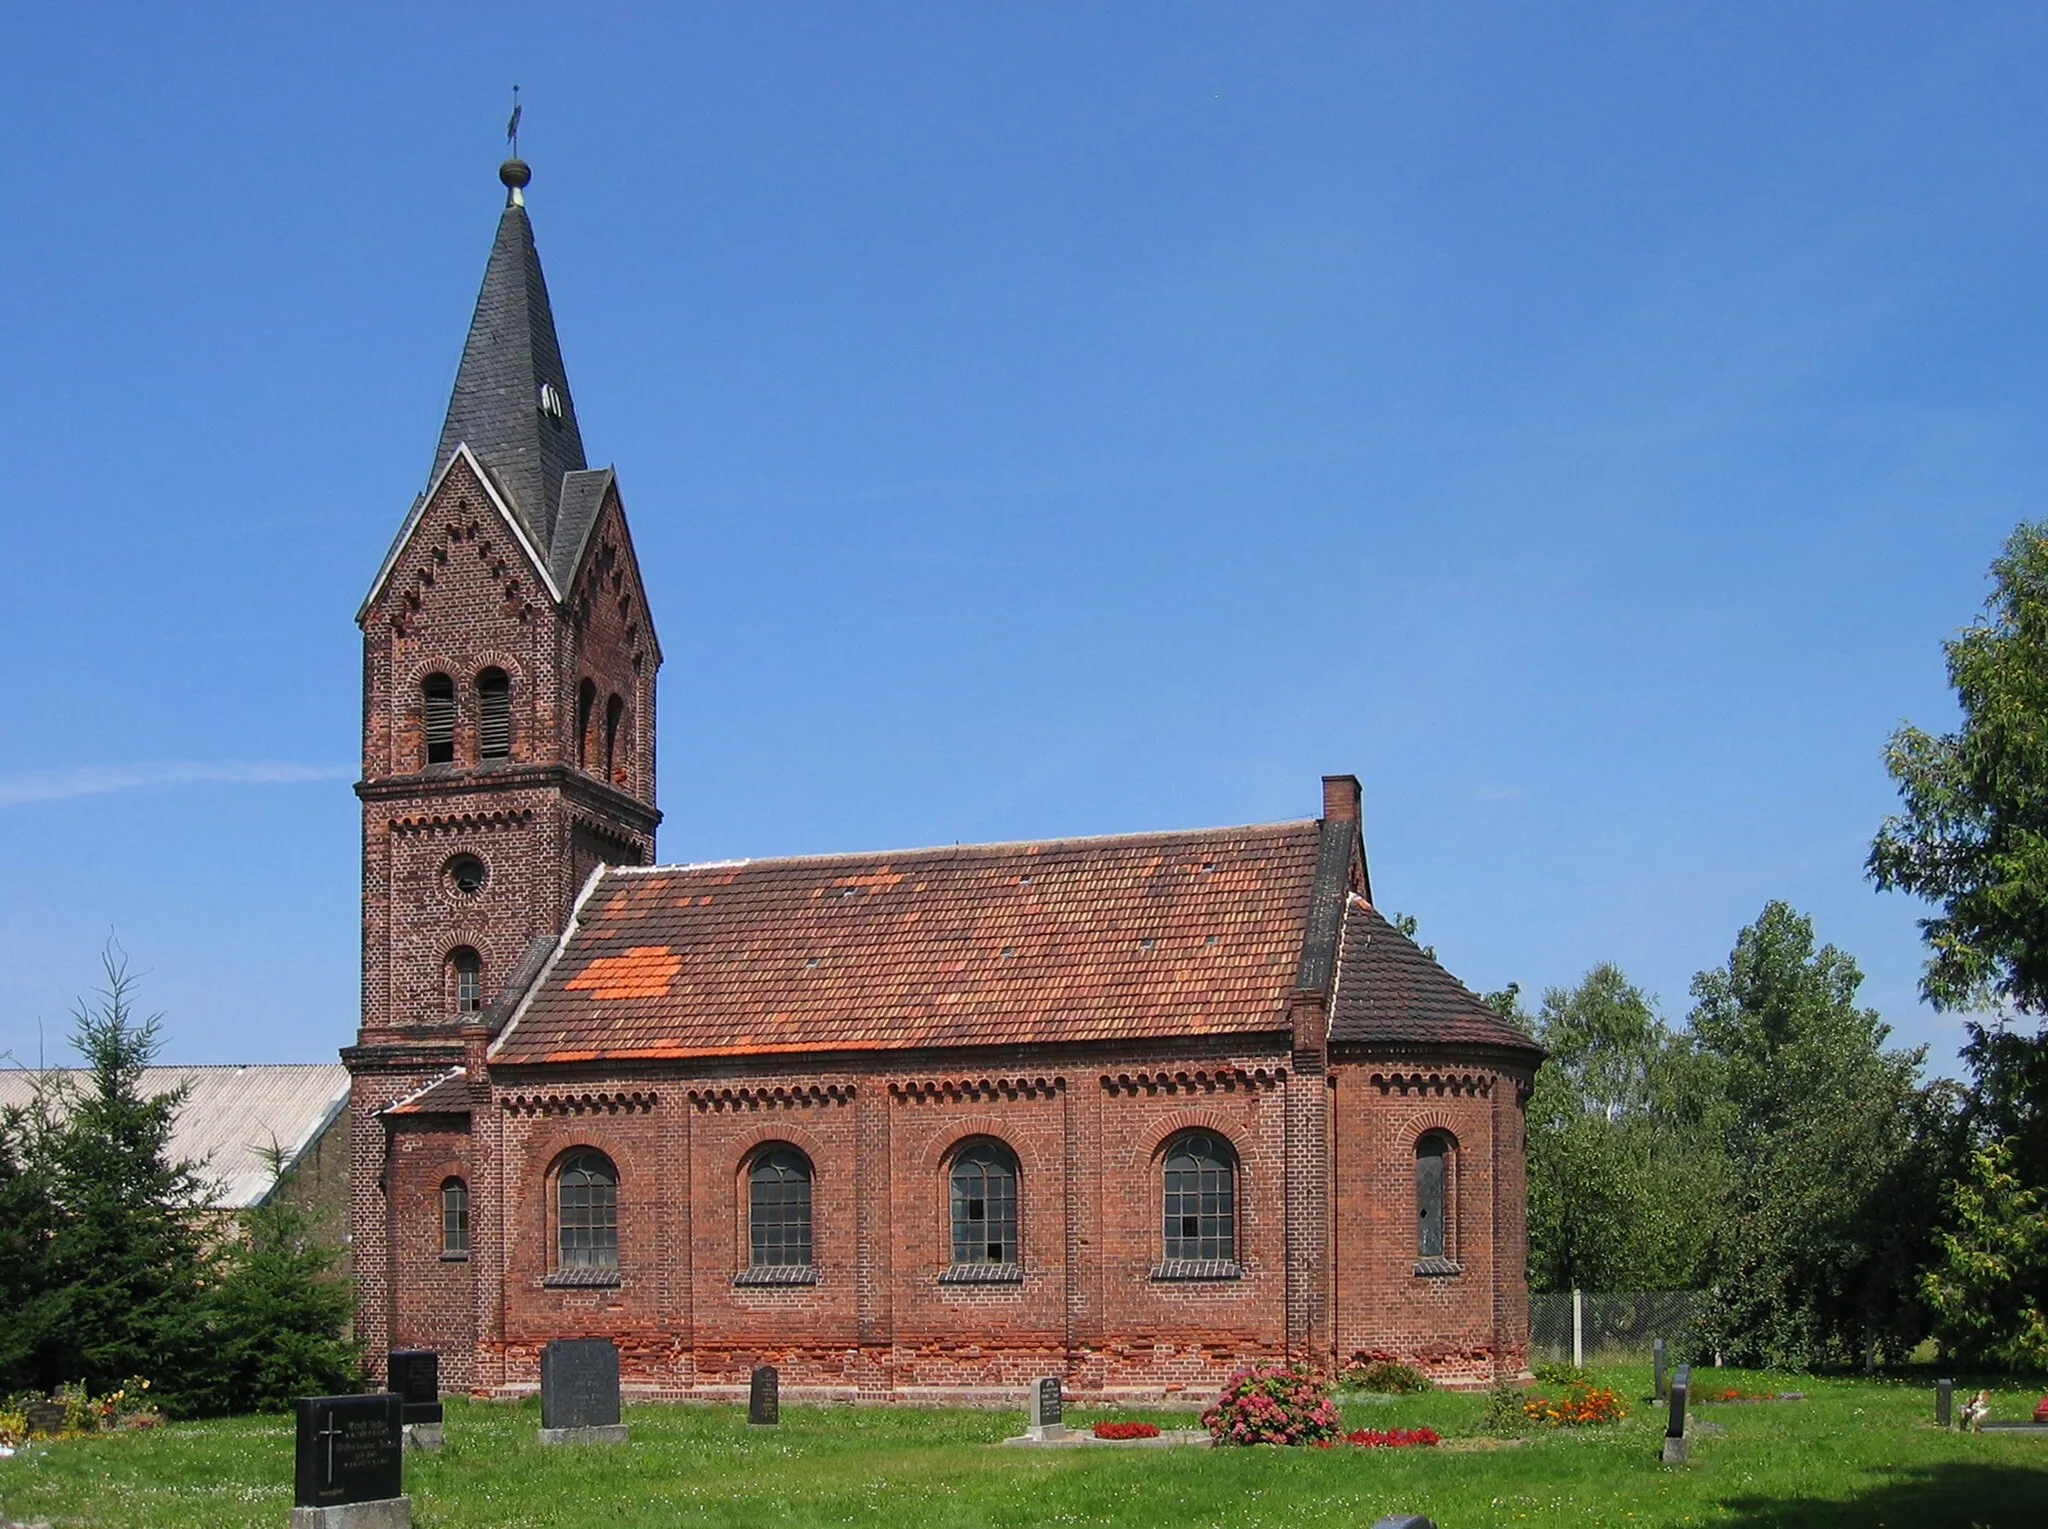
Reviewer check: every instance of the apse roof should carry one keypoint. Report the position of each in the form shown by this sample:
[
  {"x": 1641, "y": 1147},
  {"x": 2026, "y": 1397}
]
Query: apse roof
[{"x": 1390, "y": 993}]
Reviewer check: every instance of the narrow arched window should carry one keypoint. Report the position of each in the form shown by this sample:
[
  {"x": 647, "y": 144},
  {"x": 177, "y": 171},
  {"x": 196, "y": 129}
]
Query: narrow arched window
[
  {"x": 454, "y": 1219},
  {"x": 984, "y": 1182},
  {"x": 466, "y": 980},
  {"x": 1432, "y": 1159},
  {"x": 1200, "y": 1197},
  {"x": 494, "y": 715},
  {"x": 437, "y": 718},
  {"x": 587, "y": 1212},
  {"x": 586, "y": 703},
  {"x": 779, "y": 1210},
  {"x": 614, "y": 711}
]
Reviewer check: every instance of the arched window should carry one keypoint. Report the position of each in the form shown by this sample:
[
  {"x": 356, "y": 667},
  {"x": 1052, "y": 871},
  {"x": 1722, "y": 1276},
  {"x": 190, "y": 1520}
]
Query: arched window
[
  {"x": 454, "y": 1219},
  {"x": 1201, "y": 1198},
  {"x": 465, "y": 980},
  {"x": 587, "y": 1212},
  {"x": 437, "y": 718},
  {"x": 1432, "y": 1160},
  {"x": 494, "y": 715},
  {"x": 984, "y": 1181},
  {"x": 614, "y": 711},
  {"x": 779, "y": 1210},
  {"x": 586, "y": 703}
]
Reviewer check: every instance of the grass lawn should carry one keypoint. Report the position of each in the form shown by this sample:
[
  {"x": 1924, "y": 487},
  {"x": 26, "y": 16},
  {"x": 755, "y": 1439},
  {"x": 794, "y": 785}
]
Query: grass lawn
[{"x": 1856, "y": 1452}]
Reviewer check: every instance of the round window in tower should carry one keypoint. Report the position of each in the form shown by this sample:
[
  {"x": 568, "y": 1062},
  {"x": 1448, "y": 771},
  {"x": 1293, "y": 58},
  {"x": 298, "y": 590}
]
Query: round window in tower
[{"x": 466, "y": 875}]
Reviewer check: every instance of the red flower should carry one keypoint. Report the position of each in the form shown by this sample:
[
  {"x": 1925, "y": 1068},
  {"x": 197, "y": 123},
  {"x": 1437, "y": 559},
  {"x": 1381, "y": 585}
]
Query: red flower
[{"x": 1107, "y": 1429}]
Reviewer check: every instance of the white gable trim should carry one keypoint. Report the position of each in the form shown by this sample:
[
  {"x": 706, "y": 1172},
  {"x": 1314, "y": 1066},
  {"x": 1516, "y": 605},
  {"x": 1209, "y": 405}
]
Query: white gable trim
[{"x": 419, "y": 508}]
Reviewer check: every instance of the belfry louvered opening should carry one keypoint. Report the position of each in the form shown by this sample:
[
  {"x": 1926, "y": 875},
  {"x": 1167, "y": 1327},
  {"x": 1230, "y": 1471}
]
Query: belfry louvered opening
[
  {"x": 437, "y": 711},
  {"x": 494, "y": 715}
]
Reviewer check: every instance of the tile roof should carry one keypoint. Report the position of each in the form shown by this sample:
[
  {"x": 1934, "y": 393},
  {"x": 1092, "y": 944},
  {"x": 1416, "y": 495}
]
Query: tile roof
[
  {"x": 231, "y": 1119},
  {"x": 1390, "y": 993},
  {"x": 1172, "y": 934},
  {"x": 446, "y": 1095}
]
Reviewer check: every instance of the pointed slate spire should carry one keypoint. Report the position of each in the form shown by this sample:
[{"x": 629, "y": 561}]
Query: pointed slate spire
[{"x": 511, "y": 404}]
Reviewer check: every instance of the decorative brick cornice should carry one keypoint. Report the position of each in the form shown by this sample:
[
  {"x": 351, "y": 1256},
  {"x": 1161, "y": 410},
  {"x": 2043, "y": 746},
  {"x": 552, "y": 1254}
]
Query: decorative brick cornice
[
  {"x": 596, "y": 1103},
  {"x": 957, "y": 1089},
  {"x": 746, "y": 1098},
  {"x": 1477, "y": 1085},
  {"x": 1222, "y": 1080},
  {"x": 463, "y": 822}
]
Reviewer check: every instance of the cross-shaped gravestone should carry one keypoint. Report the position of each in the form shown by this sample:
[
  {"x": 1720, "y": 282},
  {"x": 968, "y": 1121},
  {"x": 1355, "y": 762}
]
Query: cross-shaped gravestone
[{"x": 1674, "y": 1431}]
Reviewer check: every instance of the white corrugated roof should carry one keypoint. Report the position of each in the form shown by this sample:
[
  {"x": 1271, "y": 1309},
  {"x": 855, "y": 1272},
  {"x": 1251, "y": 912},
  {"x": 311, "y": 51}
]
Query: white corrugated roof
[{"x": 232, "y": 1116}]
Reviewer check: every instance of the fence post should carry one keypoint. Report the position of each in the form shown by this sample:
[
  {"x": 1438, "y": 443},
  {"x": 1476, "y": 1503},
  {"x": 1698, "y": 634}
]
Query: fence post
[{"x": 1578, "y": 1328}]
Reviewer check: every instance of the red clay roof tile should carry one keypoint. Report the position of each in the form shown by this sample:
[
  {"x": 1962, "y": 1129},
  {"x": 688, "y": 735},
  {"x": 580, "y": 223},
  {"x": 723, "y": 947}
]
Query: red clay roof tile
[{"x": 1146, "y": 935}]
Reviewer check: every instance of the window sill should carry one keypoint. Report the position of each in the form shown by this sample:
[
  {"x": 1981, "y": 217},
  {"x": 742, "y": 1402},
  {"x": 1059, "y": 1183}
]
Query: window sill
[
  {"x": 1197, "y": 1269},
  {"x": 982, "y": 1274},
  {"x": 582, "y": 1279},
  {"x": 454, "y": 1258},
  {"x": 1438, "y": 1267},
  {"x": 777, "y": 1274}
]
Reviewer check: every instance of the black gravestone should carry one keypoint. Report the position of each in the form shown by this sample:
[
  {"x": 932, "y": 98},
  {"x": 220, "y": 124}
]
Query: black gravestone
[
  {"x": 415, "y": 1374},
  {"x": 1048, "y": 1412},
  {"x": 764, "y": 1405},
  {"x": 351, "y": 1449},
  {"x": 579, "y": 1383},
  {"x": 1944, "y": 1401},
  {"x": 1657, "y": 1352},
  {"x": 1674, "y": 1432}
]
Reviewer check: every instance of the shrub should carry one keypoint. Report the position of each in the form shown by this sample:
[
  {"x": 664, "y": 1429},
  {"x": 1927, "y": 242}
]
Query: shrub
[
  {"x": 1273, "y": 1404},
  {"x": 1581, "y": 1404},
  {"x": 1562, "y": 1376},
  {"x": 1505, "y": 1409},
  {"x": 1107, "y": 1429},
  {"x": 1383, "y": 1375}
]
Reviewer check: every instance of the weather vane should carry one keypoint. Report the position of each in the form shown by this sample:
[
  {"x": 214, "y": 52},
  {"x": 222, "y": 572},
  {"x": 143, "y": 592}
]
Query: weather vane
[{"x": 512, "y": 127}]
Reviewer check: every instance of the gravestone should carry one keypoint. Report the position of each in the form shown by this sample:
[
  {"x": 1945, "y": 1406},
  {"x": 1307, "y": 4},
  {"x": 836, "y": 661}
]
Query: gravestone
[
  {"x": 349, "y": 1468},
  {"x": 1047, "y": 1411},
  {"x": 44, "y": 1417},
  {"x": 1674, "y": 1431},
  {"x": 1657, "y": 1356},
  {"x": 764, "y": 1403},
  {"x": 1944, "y": 1402},
  {"x": 415, "y": 1374},
  {"x": 579, "y": 1392}
]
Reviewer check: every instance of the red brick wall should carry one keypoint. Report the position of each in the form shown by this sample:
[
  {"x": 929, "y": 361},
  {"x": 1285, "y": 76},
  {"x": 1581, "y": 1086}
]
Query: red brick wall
[
  {"x": 1454, "y": 1326},
  {"x": 435, "y": 1303}
]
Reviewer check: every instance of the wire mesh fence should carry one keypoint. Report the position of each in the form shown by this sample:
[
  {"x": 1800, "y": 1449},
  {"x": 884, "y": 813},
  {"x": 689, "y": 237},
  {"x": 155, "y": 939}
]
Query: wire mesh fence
[{"x": 1612, "y": 1325}]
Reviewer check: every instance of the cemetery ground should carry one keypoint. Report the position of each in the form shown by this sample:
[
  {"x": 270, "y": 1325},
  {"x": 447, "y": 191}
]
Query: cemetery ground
[{"x": 1855, "y": 1452}]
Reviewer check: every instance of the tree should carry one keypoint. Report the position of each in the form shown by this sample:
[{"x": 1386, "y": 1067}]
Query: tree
[
  {"x": 1622, "y": 1157},
  {"x": 275, "y": 1319},
  {"x": 1973, "y": 838},
  {"x": 124, "y": 1249},
  {"x": 28, "y": 1226},
  {"x": 1837, "y": 1155},
  {"x": 1989, "y": 1288}
]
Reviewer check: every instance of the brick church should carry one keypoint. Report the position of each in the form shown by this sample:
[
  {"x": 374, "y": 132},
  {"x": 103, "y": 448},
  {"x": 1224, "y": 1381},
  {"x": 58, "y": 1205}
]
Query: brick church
[{"x": 1135, "y": 1110}]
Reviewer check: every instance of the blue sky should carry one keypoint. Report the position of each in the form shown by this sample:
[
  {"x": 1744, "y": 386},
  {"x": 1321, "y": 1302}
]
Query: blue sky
[{"x": 1582, "y": 422}]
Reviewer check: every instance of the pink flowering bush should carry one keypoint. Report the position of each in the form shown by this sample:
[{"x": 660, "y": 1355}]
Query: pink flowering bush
[{"x": 1273, "y": 1404}]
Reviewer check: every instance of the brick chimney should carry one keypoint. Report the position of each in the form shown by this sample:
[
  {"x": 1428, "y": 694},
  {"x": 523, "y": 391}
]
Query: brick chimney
[{"x": 1341, "y": 798}]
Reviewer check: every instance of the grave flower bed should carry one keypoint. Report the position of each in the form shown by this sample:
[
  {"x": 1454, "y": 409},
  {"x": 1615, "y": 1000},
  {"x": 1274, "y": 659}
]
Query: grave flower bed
[
  {"x": 72, "y": 1410},
  {"x": 1110, "y": 1429},
  {"x": 1273, "y": 1404},
  {"x": 1731, "y": 1394},
  {"x": 1394, "y": 1438},
  {"x": 1581, "y": 1405}
]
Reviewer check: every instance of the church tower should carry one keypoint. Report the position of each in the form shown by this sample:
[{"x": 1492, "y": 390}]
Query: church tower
[{"x": 508, "y": 678}]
